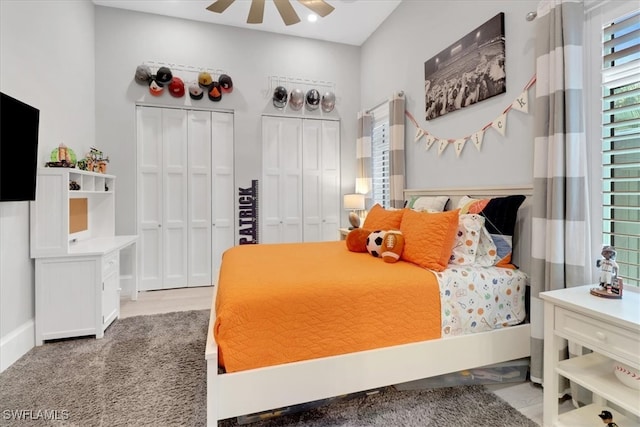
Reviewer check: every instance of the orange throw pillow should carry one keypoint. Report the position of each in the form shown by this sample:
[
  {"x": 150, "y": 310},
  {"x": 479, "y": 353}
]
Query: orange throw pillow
[
  {"x": 357, "y": 240},
  {"x": 429, "y": 237},
  {"x": 380, "y": 218}
]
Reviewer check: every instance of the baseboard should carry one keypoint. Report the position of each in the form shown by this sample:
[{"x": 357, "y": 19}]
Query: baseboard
[
  {"x": 16, "y": 344},
  {"x": 127, "y": 285}
]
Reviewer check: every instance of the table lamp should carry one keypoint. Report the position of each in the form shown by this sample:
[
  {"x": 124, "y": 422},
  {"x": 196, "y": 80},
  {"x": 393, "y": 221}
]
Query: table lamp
[{"x": 353, "y": 203}]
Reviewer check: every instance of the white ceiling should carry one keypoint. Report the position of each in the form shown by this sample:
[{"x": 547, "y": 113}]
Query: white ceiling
[{"x": 352, "y": 21}]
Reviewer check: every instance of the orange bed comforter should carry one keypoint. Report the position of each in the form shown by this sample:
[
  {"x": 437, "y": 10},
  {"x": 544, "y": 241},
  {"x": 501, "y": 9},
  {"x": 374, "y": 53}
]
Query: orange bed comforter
[{"x": 281, "y": 303}]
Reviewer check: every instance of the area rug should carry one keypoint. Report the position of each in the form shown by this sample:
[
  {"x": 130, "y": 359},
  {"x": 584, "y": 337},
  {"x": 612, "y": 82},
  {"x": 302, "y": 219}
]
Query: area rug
[{"x": 150, "y": 371}]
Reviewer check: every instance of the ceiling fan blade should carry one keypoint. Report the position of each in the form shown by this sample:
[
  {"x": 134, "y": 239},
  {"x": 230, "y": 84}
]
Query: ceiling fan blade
[
  {"x": 219, "y": 6},
  {"x": 256, "y": 12},
  {"x": 287, "y": 12},
  {"x": 320, "y": 7}
]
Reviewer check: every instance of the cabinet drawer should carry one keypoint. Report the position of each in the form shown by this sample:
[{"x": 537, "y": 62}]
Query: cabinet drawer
[
  {"x": 597, "y": 335},
  {"x": 110, "y": 263}
]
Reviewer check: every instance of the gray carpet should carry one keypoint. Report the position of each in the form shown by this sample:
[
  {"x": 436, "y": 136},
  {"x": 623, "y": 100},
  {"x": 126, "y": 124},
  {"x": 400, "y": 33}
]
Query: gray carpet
[{"x": 150, "y": 371}]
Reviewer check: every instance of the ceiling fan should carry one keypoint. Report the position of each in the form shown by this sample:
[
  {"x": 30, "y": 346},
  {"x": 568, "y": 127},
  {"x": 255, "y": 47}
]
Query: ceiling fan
[{"x": 287, "y": 12}]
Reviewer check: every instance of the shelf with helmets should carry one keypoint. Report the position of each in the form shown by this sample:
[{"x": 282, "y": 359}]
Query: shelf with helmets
[{"x": 294, "y": 93}]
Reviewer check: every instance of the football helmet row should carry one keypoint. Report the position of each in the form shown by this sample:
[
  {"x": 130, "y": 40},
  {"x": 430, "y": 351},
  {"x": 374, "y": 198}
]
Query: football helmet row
[{"x": 298, "y": 98}]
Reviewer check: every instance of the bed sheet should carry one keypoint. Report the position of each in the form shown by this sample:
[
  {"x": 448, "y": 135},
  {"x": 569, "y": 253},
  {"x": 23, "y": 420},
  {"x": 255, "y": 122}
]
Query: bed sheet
[{"x": 478, "y": 299}]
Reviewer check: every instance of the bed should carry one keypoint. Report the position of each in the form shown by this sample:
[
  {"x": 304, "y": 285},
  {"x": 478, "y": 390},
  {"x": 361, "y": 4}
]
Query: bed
[{"x": 383, "y": 346}]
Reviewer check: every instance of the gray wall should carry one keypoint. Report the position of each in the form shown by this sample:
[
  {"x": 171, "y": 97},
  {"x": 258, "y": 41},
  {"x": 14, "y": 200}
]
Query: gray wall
[
  {"x": 126, "y": 39},
  {"x": 392, "y": 59},
  {"x": 46, "y": 60}
]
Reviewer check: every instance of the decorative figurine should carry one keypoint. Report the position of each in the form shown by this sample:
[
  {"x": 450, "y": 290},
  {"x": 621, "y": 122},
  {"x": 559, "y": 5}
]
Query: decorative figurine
[
  {"x": 608, "y": 268},
  {"x": 610, "y": 284},
  {"x": 607, "y": 418}
]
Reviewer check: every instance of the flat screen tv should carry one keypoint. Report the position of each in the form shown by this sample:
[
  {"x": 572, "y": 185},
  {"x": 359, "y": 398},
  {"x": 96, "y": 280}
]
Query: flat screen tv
[{"x": 19, "y": 124}]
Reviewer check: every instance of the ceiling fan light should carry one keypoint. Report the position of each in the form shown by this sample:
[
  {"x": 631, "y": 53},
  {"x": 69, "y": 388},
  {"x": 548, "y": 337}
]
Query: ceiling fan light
[{"x": 312, "y": 17}]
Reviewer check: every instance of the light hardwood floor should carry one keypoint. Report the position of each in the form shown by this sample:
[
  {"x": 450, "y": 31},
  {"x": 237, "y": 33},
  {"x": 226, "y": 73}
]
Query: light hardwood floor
[{"x": 524, "y": 396}]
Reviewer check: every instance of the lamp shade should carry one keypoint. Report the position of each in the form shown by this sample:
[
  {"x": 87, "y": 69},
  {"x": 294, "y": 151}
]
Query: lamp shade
[{"x": 354, "y": 201}]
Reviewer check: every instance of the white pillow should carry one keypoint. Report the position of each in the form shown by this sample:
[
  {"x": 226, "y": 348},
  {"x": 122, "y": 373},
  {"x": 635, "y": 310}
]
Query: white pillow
[{"x": 428, "y": 203}]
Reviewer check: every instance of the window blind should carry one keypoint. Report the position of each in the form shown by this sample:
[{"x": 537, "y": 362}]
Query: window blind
[
  {"x": 621, "y": 143},
  {"x": 381, "y": 192}
]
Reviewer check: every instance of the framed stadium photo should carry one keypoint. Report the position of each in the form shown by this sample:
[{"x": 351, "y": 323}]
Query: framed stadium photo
[{"x": 469, "y": 71}]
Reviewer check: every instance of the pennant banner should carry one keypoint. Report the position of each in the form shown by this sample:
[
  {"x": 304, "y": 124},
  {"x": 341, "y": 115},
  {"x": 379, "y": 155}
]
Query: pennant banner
[
  {"x": 442, "y": 145},
  {"x": 500, "y": 124},
  {"x": 521, "y": 103},
  {"x": 459, "y": 145},
  {"x": 477, "y": 138}
]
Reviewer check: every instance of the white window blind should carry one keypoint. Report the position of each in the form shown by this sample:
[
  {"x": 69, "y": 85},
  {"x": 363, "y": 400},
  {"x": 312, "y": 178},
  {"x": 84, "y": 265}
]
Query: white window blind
[
  {"x": 381, "y": 192},
  {"x": 621, "y": 143}
]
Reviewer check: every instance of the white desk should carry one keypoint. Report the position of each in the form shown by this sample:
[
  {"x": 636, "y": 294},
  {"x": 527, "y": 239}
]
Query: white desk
[{"x": 79, "y": 293}]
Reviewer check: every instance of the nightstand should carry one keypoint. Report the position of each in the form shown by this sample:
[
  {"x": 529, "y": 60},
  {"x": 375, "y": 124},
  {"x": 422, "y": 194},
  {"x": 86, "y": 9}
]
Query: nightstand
[
  {"x": 611, "y": 329},
  {"x": 343, "y": 233}
]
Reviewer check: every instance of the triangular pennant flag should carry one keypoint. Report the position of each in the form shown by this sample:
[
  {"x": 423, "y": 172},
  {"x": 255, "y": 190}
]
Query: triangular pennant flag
[
  {"x": 430, "y": 140},
  {"x": 500, "y": 124},
  {"x": 477, "y": 138},
  {"x": 522, "y": 102},
  {"x": 442, "y": 145},
  {"x": 419, "y": 134},
  {"x": 459, "y": 145}
]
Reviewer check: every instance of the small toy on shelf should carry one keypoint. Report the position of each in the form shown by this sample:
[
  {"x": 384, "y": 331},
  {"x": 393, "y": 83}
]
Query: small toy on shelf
[
  {"x": 95, "y": 161},
  {"x": 62, "y": 157},
  {"x": 610, "y": 284},
  {"x": 607, "y": 418}
]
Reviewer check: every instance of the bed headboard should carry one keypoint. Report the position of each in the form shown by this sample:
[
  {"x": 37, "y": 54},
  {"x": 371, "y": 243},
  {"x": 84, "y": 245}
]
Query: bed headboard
[{"x": 522, "y": 235}]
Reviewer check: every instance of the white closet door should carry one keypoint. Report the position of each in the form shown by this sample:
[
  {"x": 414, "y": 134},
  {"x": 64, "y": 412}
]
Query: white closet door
[
  {"x": 281, "y": 189},
  {"x": 175, "y": 192},
  {"x": 222, "y": 195},
  {"x": 321, "y": 179},
  {"x": 199, "y": 201},
  {"x": 150, "y": 200},
  {"x": 312, "y": 180},
  {"x": 330, "y": 194}
]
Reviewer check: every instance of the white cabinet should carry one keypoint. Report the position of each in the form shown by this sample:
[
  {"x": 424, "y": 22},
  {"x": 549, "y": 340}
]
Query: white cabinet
[
  {"x": 300, "y": 190},
  {"x": 608, "y": 327},
  {"x": 185, "y": 195},
  {"x": 77, "y": 255}
]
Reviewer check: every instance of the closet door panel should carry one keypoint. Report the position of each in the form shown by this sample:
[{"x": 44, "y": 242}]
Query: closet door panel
[
  {"x": 330, "y": 194},
  {"x": 199, "y": 200},
  {"x": 312, "y": 180},
  {"x": 175, "y": 192},
  {"x": 281, "y": 188},
  {"x": 223, "y": 188},
  {"x": 149, "y": 190},
  {"x": 291, "y": 192}
]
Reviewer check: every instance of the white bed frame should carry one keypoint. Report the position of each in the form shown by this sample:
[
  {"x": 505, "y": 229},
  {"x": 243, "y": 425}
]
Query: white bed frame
[{"x": 256, "y": 390}]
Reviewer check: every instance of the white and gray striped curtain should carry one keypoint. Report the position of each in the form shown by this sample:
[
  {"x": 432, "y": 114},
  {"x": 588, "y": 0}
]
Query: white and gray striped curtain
[
  {"x": 363, "y": 157},
  {"x": 560, "y": 228},
  {"x": 396, "y": 150}
]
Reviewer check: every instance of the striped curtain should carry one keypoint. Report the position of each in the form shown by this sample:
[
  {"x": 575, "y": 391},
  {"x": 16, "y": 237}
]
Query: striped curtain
[
  {"x": 396, "y": 150},
  {"x": 363, "y": 157},
  {"x": 560, "y": 227}
]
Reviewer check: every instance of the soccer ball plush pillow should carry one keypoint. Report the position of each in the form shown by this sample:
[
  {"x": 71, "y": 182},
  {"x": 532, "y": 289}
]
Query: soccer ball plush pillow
[{"x": 374, "y": 242}]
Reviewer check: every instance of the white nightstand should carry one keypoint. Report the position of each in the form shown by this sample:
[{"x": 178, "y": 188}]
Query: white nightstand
[
  {"x": 343, "y": 233},
  {"x": 609, "y": 327}
]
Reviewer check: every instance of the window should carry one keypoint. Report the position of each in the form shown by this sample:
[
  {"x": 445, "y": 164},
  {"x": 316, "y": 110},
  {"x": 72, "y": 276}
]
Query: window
[
  {"x": 621, "y": 143},
  {"x": 380, "y": 192}
]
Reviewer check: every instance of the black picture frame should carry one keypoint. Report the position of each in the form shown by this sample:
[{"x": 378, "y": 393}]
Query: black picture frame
[{"x": 469, "y": 71}]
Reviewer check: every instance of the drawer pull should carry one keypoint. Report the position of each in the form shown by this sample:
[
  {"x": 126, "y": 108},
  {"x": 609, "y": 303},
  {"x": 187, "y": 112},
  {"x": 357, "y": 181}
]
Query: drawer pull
[{"x": 601, "y": 336}]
